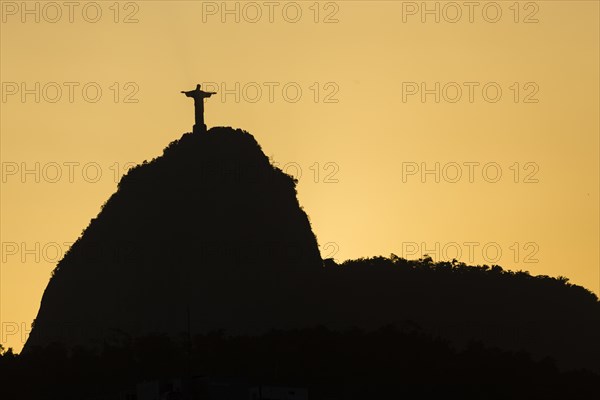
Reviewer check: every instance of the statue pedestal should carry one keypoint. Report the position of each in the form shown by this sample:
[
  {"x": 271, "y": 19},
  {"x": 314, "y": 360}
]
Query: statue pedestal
[{"x": 199, "y": 128}]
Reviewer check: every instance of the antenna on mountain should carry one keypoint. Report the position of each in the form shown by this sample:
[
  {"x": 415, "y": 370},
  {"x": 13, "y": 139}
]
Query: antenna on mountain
[{"x": 198, "y": 95}]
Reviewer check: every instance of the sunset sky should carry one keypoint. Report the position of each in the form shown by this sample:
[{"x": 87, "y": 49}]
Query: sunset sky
[{"x": 341, "y": 95}]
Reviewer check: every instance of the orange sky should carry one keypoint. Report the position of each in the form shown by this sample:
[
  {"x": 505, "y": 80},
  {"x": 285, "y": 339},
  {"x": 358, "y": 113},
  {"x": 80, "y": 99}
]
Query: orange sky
[{"x": 332, "y": 91}]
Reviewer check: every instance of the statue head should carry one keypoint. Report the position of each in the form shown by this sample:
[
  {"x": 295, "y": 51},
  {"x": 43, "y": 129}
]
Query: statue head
[{"x": 198, "y": 87}]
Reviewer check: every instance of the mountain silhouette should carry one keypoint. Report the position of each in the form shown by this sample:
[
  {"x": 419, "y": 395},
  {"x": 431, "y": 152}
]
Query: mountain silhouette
[
  {"x": 211, "y": 237},
  {"x": 210, "y": 234}
]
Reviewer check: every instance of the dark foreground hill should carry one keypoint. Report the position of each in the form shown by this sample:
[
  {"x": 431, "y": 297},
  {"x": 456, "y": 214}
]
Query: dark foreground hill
[
  {"x": 315, "y": 364},
  {"x": 210, "y": 237}
]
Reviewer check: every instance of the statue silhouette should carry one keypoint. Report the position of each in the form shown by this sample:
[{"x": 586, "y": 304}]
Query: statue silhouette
[{"x": 198, "y": 95}]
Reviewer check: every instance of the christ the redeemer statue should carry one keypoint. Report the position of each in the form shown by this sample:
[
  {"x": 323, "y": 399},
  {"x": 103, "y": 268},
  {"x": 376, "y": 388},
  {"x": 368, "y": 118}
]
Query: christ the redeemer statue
[{"x": 198, "y": 96}]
